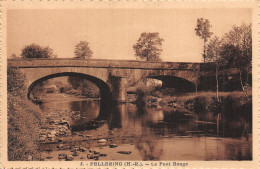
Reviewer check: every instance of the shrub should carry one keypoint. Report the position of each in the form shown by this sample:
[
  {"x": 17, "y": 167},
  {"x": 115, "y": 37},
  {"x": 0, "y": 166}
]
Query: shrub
[
  {"x": 200, "y": 105},
  {"x": 15, "y": 82}
]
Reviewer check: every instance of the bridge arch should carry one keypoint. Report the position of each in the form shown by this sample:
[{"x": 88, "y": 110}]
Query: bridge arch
[{"x": 105, "y": 92}]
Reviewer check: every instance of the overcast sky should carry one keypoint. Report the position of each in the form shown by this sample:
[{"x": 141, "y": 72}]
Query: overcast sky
[{"x": 111, "y": 33}]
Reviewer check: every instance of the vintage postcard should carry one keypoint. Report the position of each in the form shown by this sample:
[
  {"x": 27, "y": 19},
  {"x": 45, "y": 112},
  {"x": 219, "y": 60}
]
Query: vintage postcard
[{"x": 129, "y": 84}]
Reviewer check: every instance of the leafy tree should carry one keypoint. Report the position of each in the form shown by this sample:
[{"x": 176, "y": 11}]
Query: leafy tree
[
  {"x": 149, "y": 46},
  {"x": 213, "y": 50},
  {"x": 82, "y": 50},
  {"x": 203, "y": 31},
  {"x": 237, "y": 50},
  {"x": 47, "y": 51},
  {"x": 36, "y": 51}
]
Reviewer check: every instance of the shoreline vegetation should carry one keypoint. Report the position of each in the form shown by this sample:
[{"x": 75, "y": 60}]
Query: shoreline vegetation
[
  {"x": 24, "y": 124},
  {"x": 57, "y": 97},
  {"x": 232, "y": 111}
]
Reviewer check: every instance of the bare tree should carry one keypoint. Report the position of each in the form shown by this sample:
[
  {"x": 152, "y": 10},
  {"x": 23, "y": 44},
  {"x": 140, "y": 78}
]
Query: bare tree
[
  {"x": 203, "y": 31},
  {"x": 149, "y": 46}
]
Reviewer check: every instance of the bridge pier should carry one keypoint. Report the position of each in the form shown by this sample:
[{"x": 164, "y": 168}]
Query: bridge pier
[{"x": 119, "y": 90}]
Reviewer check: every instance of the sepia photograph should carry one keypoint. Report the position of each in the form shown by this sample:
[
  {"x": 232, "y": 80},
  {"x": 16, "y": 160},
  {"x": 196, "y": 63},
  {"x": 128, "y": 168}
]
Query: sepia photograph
[{"x": 129, "y": 84}]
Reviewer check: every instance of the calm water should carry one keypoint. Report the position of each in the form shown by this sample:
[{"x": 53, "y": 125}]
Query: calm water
[{"x": 148, "y": 133}]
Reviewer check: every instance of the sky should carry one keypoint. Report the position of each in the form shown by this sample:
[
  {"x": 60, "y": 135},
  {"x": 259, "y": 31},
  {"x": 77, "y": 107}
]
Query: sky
[{"x": 111, "y": 33}]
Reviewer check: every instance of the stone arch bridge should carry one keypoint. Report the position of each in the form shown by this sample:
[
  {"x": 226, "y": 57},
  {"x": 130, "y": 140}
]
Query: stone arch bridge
[{"x": 112, "y": 77}]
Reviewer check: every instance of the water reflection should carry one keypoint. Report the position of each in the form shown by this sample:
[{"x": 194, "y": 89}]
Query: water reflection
[
  {"x": 156, "y": 134},
  {"x": 115, "y": 120},
  {"x": 86, "y": 111}
]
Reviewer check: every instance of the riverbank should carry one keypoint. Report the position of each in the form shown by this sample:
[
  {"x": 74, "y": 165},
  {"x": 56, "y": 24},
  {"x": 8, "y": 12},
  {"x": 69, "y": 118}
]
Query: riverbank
[
  {"x": 167, "y": 100},
  {"x": 231, "y": 107},
  {"x": 24, "y": 121},
  {"x": 55, "y": 97}
]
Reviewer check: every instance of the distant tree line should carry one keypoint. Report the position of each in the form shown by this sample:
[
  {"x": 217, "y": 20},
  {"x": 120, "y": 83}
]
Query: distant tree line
[{"x": 147, "y": 48}]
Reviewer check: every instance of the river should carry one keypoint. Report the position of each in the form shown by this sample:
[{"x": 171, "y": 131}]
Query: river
[{"x": 131, "y": 132}]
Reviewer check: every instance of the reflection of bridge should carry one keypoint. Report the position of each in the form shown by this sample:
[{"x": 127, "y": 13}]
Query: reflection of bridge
[{"x": 112, "y": 77}]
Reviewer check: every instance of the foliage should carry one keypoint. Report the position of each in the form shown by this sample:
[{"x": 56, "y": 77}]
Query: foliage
[
  {"x": 149, "y": 46},
  {"x": 23, "y": 119},
  {"x": 83, "y": 87},
  {"x": 38, "y": 90},
  {"x": 238, "y": 41},
  {"x": 200, "y": 105},
  {"x": 233, "y": 50},
  {"x": 15, "y": 82},
  {"x": 82, "y": 50},
  {"x": 232, "y": 55},
  {"x": 236, "y": 112},
  {"x": 237, "y": 51},
  {"x": 75, "y": 81},
  {"x": 213, "y": 50},
  {"x": 36, "y": 51},
  {"x": 203, "y": 31}
]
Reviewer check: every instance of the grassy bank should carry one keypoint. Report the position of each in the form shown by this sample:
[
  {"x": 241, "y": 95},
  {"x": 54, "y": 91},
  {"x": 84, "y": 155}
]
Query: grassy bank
[{"x": 24, "y": 120}]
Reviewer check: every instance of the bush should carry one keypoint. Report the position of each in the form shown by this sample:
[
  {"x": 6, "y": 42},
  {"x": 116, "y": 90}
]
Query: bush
[
  {"x": 230, "y": 106},
  {"x": 200, "y": 105},
  {"x": 15, "y": 82}
]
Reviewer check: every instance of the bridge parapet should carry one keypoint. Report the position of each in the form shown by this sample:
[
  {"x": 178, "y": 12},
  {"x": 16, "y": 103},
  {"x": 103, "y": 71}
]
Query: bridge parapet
[{"x": 97, "y": 63}]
